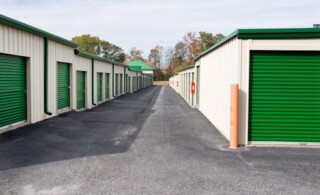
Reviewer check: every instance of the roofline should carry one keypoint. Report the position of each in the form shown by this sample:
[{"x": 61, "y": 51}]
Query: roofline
[
  {"x": 272, "y": 33},
  {"x": 95, "y": 57},
  {"x": 151, "y": 68},
  {"x": 187, "y": 67},
  {"x": 33, "y": 30}
]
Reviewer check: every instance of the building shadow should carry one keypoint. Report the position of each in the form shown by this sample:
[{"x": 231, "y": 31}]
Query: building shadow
[{"x": 109, "y": 128}]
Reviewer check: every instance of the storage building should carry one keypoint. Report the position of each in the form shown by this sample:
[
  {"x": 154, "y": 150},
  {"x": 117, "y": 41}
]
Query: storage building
[{"x": 278, "y": 72}]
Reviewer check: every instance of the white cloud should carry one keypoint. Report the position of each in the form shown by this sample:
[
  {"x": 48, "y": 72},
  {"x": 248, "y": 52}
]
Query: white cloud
[{"x": 144, "y": 24}]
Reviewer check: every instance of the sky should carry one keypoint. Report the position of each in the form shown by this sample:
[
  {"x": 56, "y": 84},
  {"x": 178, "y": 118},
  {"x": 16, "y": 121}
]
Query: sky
[{"x": 145, "y": 23}]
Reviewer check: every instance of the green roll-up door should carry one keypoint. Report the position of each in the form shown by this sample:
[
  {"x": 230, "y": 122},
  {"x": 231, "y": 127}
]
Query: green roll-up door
[
  {"x": 284, "y": 96},
  {"x": 13, "y": 97},
  {"x": 99, "y": 87},
  {"x": 63, "y": 86},
  {"x": 117, "y": 81},
  {"x": 198, "y": 86},
  {"x": 121, "y": 92},
  {"x": 107, "y": 86},
  {"x": 81, "y": 89}
]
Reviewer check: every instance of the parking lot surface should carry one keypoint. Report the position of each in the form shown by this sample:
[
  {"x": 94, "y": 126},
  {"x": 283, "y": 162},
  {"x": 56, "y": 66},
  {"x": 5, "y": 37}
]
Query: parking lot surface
[{"x": 149, "y": 142}]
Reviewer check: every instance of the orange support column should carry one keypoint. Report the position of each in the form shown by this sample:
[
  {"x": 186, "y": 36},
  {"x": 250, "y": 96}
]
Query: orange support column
[{"x": 234, "y": 116}]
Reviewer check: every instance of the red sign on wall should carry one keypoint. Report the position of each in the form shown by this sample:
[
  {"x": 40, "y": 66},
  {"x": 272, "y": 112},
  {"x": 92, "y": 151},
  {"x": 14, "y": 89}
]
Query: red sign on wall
[
  {"x": 177, "y": 83},
  {"x": 193, "y": 87}
]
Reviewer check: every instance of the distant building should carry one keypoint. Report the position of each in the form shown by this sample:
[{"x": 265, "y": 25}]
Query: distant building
[{"x": 141, "y": 66}]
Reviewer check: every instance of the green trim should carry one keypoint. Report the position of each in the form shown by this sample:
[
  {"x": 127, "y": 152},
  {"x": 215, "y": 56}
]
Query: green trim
[
  {"x": 92, "y": 56},
  {"x": 33, "y": 30},
  {"x": 46, "y": 92},
  {"x": 187, "y": 67},
  {"x": 92, "y": 81},
  {"x": 276, "y": 33}
]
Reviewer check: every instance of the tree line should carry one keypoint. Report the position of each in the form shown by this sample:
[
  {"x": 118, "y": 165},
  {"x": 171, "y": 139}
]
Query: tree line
[{"x": 166, "y": 61}]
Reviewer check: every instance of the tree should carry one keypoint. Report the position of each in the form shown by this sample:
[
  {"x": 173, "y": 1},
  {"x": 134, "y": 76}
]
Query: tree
[
  {"x": 96, "y": 46},
  {"x": 192, "y": 46},
  {"x": 155, "y": 56},
  {"x": 111, "y": 51},
  {"x": 87, "y": 43},
  {"x": 135, "y": 54},
  {"x": 207, "y": 40}
]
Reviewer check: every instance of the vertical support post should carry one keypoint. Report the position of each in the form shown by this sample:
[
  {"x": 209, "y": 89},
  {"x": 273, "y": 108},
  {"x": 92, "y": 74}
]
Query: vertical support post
[{"x": 234, "y": 116}]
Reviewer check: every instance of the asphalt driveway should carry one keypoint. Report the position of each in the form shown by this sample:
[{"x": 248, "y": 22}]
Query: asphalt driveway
[{"x": 149, "y": 142}]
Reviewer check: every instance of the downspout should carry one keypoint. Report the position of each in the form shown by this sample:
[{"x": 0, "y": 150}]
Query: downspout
[
  {"x": 92, "y": 81},
  {"x": 113, "y": 80},
  {"x": 46, "y": 77}
]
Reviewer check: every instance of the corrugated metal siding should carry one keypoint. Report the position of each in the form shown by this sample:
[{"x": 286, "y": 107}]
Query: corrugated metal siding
[
  {"x": 284, "y": 96},
  {"x": 58, "y": 53},
  {"x": 82, "y": 64},
  {"x": 218, "y": 71},
  {"x": 254, "y": 45},
  {"x": 20, "y": 43},
  {"x": 13, "y": 86}
]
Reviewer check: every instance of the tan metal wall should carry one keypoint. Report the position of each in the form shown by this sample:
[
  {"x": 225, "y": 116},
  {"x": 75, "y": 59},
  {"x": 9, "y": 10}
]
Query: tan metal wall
[
  {"x": 20, "y": 43},
  {"x": 57, "y": 53},
  {"x": 82, "y": 64},
  {"x": 185, "y": 85},
  {"x": 218, "y": 70}
]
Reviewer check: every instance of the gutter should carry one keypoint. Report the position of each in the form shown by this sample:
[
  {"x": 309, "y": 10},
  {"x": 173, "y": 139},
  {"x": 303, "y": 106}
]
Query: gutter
[
  {"x": 46, "y": 92},
  {"x": 92, "y": 81}
]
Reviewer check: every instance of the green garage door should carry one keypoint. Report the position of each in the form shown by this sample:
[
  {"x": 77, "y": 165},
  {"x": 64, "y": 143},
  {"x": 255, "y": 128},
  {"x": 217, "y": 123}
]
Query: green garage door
[
  {"x": 81, "y": 89},
  {"x": 63, "y": 86},
  {"x": 107, "y": 86},
  {"x": 13, "y": 99},
  {"x": 284, "y": 96},
  {"x": 99, "y": 87}
]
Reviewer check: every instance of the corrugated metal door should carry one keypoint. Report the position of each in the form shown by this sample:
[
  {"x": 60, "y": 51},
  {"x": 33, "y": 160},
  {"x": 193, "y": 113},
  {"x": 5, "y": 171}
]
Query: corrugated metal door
[
  {"x": 121, "y": 92},
  {"x": 284, "y": 96},
  {"x": 117, "y": 80},
  {"x": 63, "y": 86},
  {"x": 13, "y": 98},
  {"x": 107, "y": 86},
  {"x": 81, "y": 89},
  {"x": 99, "y": 87}
]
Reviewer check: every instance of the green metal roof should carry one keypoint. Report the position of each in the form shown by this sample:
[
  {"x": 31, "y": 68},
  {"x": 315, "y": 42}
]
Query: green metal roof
[
  {"x": 137, "y": 63},
  {"x": 33, "y": 30},
  {"x": 91, "y": 56},
  {"x": 275, "y": 33},
  {"x": 187, "y": 67}
]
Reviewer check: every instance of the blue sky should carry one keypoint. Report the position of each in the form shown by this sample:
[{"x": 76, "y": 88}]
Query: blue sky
[{"x": 146, "y": 23}]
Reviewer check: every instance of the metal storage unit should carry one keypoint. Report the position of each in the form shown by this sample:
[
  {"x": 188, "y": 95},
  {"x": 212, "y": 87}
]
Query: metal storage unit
[
  {"x": 81, "y": 90},
  {"x": 99, "y": 87},
  {"x": 278, "y": 73},
  {"x": 63, "y": 86},
  {"x": 284, "y": 96},
  {"x": 13, "y": 88}
]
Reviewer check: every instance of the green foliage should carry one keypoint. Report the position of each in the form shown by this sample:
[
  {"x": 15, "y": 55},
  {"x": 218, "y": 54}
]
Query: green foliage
[
  {"x": 94, "y": 45},
  {"x": 111, "y": 51},
  {"x": 207, "y": 40},
  {"x": 135, "y": 54},
  {"x": 87, "y": 43}
]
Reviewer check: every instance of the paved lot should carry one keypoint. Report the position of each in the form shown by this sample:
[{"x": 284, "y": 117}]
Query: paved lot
[{"x": 150, "y": 142}]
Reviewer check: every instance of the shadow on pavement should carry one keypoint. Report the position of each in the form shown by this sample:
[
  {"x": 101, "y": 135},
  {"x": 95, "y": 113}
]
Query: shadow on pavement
[{"x": 109, "y": 128}]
